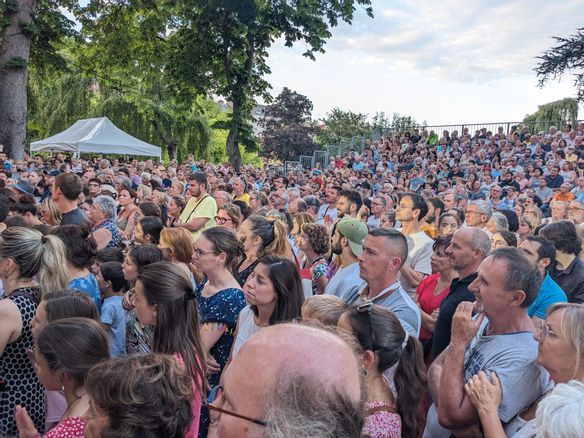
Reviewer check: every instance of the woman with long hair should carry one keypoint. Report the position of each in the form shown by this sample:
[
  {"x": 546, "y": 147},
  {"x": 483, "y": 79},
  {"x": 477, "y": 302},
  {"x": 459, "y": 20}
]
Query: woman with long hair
[
  {"x": 25, "y": 255},
  {"x": 273, "y": 293},
  {"x": 176, "y": 205},
  {"x": 259, "y": 237},
  {"x": 384, "y": 344},
  {"x": 165, "y": 299},
  {"x": 65, "y": 351},
  {"x": 81, "y": 251},
  {"x": 315, "y": 244},
  {"x": 177, "y": 246},
  {"x": 127, "y": 201},
  {"x": 50, "y": 214},
  {"x": 220, "y": 299},
  {"x": 139, "y": 396},
  {"x": 138, "y": 336}
]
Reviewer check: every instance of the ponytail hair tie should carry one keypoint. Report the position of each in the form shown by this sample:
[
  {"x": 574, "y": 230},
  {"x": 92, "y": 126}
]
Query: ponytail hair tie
[{"x": 405, "y": 342}]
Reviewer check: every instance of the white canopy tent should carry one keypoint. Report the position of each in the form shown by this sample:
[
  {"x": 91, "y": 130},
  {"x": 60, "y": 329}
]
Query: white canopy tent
[{"x": 99, "y": 136}]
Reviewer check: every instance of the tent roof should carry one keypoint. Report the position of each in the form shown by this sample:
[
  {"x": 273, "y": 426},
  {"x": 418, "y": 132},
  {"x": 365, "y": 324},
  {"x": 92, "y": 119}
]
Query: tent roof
[{"x": 97, "y": 135}]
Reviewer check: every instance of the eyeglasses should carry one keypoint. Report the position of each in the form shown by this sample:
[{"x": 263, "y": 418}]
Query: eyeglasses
[
  {"x": 545, "y": 330},
  {"x": 215, "y": 394},
  {"x": 198, "y": 252},
  {"x": 221, "y": 220},
  {"x": 401, "y": 206},
  {"x": 367, "y": 307}
]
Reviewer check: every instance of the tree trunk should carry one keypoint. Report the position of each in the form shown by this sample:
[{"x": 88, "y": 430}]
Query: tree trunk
[
  {"x": 14, "y": 56},
  {"x": 233, "y": 137},
  {"x": 172, "y": 149}
]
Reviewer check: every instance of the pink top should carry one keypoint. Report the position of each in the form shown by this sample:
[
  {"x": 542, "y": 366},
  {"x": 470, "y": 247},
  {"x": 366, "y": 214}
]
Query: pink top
[
  {"x": 72, "y": 427},
  {"x": 382, "y": 423},
  {"x": 428, "y": 301},
  {"x": 196, "y": 403}
]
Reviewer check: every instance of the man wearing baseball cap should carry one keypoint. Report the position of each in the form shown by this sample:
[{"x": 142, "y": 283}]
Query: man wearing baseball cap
[{"x": 347, "y": 243}]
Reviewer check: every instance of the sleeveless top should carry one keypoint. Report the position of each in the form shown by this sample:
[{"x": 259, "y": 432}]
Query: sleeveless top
[
  {"x": 111, "y": 226},
  {"x": 22, "y": 386},
  {"x": 247, "y": 328},
  {"x": 241, "y": 277}
]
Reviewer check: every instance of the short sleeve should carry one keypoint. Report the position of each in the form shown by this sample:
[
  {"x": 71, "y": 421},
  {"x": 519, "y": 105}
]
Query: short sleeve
[
  {"x": 319, "y": 270},
  {"x": 421, "y": 261},
  {"x": 208, "y": 208},
  {"x": 108, "y": 314}
]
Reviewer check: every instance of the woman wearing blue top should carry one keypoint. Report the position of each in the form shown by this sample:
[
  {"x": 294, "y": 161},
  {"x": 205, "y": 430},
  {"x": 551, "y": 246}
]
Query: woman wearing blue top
[
  {"x": 81, "y": 250},
  {"x": 220, "y": 299}
]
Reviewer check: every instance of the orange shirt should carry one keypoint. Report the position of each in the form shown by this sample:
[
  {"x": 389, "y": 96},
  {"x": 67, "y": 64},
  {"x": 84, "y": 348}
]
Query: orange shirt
[{"x": 565, "y": 197}]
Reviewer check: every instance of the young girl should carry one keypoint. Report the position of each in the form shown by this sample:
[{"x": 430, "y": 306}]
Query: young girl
[{"x": 165, "y": 299}]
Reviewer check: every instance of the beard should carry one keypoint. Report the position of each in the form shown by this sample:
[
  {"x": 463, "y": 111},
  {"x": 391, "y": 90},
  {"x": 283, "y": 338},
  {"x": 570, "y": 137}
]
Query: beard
[
  {"x": 337, "y": 248},
  {"x": 430, "y": 219}
]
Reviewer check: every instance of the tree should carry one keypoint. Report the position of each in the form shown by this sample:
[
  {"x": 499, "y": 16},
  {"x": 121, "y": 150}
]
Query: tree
[
  {"x": 401, "y": 123},
  {"x": 26, "y": 27},
  {"x": 558, "y": 113},
  {"x": 342, "y": 125},
  {"x": 221, "y": 46},
  {"x": 288, "y": 127},
  {"x": 568, "y": 55},
  {"x": 380, "y": 122}
]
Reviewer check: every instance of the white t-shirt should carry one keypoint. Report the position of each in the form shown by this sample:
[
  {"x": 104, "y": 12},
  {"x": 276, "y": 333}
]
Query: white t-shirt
[
  {"x": 326, "y": 210},
  {"x": 344, "y": 281},
  {"x": 419, "y": 253}
]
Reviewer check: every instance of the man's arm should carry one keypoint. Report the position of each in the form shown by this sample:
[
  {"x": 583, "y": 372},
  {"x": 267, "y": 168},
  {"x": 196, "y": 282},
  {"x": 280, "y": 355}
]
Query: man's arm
[
  {"x": 455, "y": 409},
  {"x": 435, "y": 374},
  {"x": 194, "y": 224},
  {"x": 413, "y": 278}
]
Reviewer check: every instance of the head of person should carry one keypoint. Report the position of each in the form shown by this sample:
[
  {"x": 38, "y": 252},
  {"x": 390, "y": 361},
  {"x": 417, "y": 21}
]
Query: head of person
[
  {"x": 65, "y": 351},
  {"x": 297, "y": 205},
  {"x": 559, "y": 413},
  {"x": 349, "y": 202},
  {"x": 559, "y": 210},
  {"x": 497, "y": 222},
  {"x": 221, "y": 197},
  {"x": 384, "y": 343},
  {"x": 447, "y": 224},
  {"x": 507, "y": 281},
  {"x": 326, "y": 309},
  {"x": 348, "y": 235},
  {"x": 229, "y": 216},
  {"x": 478, "y": 214},
  {"x": 262, "y": 236},
  {"x": 138, "y": 258},
  {"x": 412, "y": 207},
  {"x": 435, "y": 209},
  {"x": 50, "y": 214},
  {"x": 291, "y": 393},
  {"x": 275, "y": 282},
  {"x": 113, "y": 254},
  {"x": 563, "y": 236},
  {"x": 127, "y": 196},
  {"x": 140, "y": 395},
  {"x": 26, "y": 254},
  {"x": 165, "y": 299},
  {"x": 61, "y": 304},
  {"x": 279, "y": 199},
  {"x": 176, "y": 189},
  {"x": 197, "y": 184},
  {"x": 387, "y": 219},
  {"x": 439, "y": 260},
  {"x": 561, "y": 342},
  {"x": 148, "y": 230},
  {"x": 315, "y": 238},
  {"x": 217, "y": 247},
  {"x": 103, "y": 208},
  {"x": 298, "y": 220},
  {"x": 502, "y": 239},
  {"x": 576, "y": 212},
  {"x": 67, "y": 186},
  {"x": 111, "y": 278},
  {"x": 81, "y": 247},
  {"x": 385, "y": 250},
  {"x": 176, "y": 205},
  {"x": 176, "y": 244},
  {"x": 312, "y": 204},
  {"x": 468, "y": 248}
]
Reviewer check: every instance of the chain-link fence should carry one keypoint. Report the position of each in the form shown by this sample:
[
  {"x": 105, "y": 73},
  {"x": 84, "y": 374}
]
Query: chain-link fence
[
  {"x": 321, "y": 159},
  {"x": 306, "y": 161},
  {"x": 292, "y": 166}
]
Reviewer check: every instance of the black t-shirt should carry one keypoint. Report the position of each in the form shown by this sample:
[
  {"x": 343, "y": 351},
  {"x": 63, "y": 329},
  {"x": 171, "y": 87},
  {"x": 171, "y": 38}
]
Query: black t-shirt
[
  {"x": 75, "y": 217},
  {"x": 458, "y": 293}
]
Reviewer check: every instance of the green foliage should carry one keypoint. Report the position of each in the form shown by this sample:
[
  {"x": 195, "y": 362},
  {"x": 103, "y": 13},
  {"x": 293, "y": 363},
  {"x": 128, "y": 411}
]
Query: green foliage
[
  {"x": 288, "y": 127},
  {"x": 380, "y": 121},
  {"x": 567, "y": 56},
  {"x": 554, "y": 113},
  {"x": 401, "y": 123},
  {"x": 340, "y": 125}
]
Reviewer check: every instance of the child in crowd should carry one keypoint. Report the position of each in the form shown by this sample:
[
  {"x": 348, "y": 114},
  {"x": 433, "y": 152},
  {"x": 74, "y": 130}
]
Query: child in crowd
[{"x": 112, "y": 286}]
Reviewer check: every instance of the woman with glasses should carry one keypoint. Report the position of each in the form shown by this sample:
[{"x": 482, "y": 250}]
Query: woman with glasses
[
  {"x": 228, "y": 216},
  {"x": 561, "y": 353},
  {"x": 385, "y": 344},
  {"x": 273, "y": 293},
  {"x": 165, "y": 299},
  {"x": 220, "y": 300}
]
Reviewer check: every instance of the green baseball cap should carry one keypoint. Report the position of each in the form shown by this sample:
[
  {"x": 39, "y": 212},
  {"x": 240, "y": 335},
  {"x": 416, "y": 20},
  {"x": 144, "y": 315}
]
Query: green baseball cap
[{"x": 355, "y": 231}]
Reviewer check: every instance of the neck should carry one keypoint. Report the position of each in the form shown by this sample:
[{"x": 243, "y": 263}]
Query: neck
[
  {"x": 448, "y": 275},
  {"x": 512, "y": 321},
  {"x": 311, "y": 256},
  {"x": 251, "y": 255},
  {"x": 468, "y": 270},
  {"x": 410, "y": 227},
  {"x": 377, "y": 285},
  {"x": 376, "y": 387},
  {"x": 65, "y": 206},
  {"x": 264, "y": 314},
  {"x": 218, "y": 277},
  {"x": 202, "y": 195},
  {"x": 564, "y": 259},
  {"x": 348, "y": 258},
  {"x": 332, "y": 204},
  {"x": 11, "y": 284}
]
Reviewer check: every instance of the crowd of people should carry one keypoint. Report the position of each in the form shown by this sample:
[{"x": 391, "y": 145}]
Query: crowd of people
[{"x": 424, "y": 286}]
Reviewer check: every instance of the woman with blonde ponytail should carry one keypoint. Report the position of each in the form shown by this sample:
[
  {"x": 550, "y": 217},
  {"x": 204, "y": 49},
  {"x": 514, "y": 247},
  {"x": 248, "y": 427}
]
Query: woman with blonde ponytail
[{"x": 25, "y": 256}]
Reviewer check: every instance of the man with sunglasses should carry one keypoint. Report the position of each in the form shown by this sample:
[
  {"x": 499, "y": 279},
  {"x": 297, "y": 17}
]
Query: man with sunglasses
[{"x": 292, "y": 378}]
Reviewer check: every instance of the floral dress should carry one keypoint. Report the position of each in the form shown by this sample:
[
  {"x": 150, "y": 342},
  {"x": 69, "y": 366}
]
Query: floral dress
[
  {"x": 382, "y": 421},
  {"x": 221, "y": 309},
  {"x": 112, "y": 227},
  {"x": 73, "y": 427}
]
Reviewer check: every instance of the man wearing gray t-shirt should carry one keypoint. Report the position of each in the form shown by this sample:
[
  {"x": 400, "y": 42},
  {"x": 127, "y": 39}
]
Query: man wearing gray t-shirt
[{"x": 499, "y": 339}]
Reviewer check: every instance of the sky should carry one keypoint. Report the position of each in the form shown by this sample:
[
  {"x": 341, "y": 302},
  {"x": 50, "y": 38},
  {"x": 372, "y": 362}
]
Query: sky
[{"x": 440, "y": 61}]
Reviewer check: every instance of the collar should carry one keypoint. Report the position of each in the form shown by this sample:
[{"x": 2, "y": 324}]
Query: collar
[{"x": 383, "y": 294}]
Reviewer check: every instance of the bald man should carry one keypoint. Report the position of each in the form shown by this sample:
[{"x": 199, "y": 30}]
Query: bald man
[{"x": 295, "y": 378}]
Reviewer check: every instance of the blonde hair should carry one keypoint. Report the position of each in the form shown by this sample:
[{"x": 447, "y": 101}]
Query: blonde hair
[
  {"x": 572, "y": 326},
  {"x": 35, "y": 254},
  {"x": 180, "y": 241},
  {"x": 234, "y": 212},
  {"x": 53, "y": 215},
  {"x": 303, "y": 218},
  {"x": 326, "y": 309}
]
